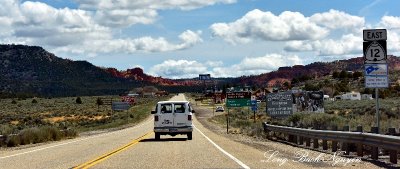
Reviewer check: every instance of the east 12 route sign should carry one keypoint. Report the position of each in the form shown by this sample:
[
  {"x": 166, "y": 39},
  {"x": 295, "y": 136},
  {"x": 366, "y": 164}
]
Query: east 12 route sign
[
  {"x": 374, "y": 46},
  {"x": 375, "y": 58}
]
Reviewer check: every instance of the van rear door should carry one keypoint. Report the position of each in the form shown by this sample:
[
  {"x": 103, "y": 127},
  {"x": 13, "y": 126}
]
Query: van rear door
[
  {"x": 182, "y": 116},
  {"x": 166, "y": 116}
]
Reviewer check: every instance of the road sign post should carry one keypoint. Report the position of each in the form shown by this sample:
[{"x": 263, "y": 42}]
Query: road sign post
[
  {"x": 375, "y": 63},
  {"x": 254, "y": 108}
]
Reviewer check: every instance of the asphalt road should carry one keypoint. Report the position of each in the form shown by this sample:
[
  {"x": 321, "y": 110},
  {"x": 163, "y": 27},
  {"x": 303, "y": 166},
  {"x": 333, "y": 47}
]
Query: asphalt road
[{"x": 135, "y": 147}]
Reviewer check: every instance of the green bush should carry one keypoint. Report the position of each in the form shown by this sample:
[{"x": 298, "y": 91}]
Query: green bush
[
  {"x": 295, "y": 118},
  {"x": 78, "y": 100},
  {"x": 316, "y": 120},
  {"x": 38, "y": 135},
  {"x": 99, "y": 102},
  {"x": 6, "y": 129},
  {"x": 13, "y": 141}
]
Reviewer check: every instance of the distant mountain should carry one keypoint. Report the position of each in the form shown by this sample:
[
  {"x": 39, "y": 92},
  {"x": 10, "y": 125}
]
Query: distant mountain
[
  {"x": 32, "y": 71},
  {"x": 138, "y": 74},
  {"x": 317, "y": 69}
]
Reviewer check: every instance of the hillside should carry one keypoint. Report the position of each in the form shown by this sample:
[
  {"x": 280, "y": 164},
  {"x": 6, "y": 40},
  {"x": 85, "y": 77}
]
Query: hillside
[
  {"x": 139, "y": 75},
  {"x": 315, "y": 70},
  {"x": 32, "y": 71}
]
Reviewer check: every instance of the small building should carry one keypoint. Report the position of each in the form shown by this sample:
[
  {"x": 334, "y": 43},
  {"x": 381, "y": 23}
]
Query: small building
[
  {"x": 148, "y": 94},
  {"x": 366, "y": 97},
  {"x": 351, "y": 96}
]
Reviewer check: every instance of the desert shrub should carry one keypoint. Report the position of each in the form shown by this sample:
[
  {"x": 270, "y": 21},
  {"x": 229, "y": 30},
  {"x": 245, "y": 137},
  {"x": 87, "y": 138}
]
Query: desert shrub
[
  {"x": 34, "y": 101},
  {"x": 70, "y": 133},
  {"x": 295, "y": 118},
  {"x": 317, "y": 120},
  {"x": 5, "y": 129},
  {"x": 28, "y": 136},
  {"x": 99, "y": 102},
  {"x": 13, "y": 141},
  {"x": 242, "y": 123},
  {"x": 38, "y": 135},
  {"x": 13, "y": 102},
  {"x": 78, "y": 100}
]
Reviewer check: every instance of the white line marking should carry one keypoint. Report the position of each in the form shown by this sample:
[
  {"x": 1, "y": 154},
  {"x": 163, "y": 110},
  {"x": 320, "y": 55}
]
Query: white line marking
[
  {"x": 90, "y": 137},
  {"x": 222, "y": 150}
]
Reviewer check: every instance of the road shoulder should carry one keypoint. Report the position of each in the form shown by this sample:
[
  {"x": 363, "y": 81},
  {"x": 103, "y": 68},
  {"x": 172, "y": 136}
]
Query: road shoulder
[{"x": 263, "y": 148}]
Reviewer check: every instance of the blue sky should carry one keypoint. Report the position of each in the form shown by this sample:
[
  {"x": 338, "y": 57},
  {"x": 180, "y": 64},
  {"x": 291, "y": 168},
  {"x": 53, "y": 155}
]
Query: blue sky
[{"x": 181, "y": 39}]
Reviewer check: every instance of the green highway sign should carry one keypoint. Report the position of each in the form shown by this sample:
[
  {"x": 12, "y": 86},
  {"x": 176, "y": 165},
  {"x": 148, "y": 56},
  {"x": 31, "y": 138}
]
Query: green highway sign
[
  {"x": 238, "y": 99},
  {"x": 238, "y": 102}
]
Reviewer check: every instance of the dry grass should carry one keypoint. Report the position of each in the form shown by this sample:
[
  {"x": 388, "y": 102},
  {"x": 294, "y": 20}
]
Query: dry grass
[
  {"x": 338, "y": 113},
  {"x": 22, "y": 117}
]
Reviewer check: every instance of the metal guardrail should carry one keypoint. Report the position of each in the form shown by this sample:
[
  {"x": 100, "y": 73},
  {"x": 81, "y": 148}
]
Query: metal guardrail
[{"x": 387, "y": 142}]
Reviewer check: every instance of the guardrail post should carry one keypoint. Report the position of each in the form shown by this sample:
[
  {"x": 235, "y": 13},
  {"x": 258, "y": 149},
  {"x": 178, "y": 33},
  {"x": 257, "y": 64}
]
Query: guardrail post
[
  {"x": 315, "y": 140},
  {"x": 324, "y": 142},
  {"x": 334, "y": 143},
  {"x": 393, "y": 153},
  {"x": 308, "y": 141},
  {"x": 345, "y": 146},
  {"x": 290, "y": 138},
  {"x": 359, "y": 145},
  {"x": 265, "y": 129},
  {"x": 295, "y": 139},
  {"x": 301, "y": 141},
  {"x": 374, "y": 153},
  {"x": 300, "y": 138}
]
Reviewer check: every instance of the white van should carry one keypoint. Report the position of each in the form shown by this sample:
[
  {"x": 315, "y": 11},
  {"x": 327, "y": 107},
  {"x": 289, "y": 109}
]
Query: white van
[{"x": 173, "y": 118}]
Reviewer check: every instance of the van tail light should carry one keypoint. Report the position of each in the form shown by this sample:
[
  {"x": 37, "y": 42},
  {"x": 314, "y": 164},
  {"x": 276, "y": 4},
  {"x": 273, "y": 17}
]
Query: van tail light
[
  {"x": 155, "y": 118},
  {"x": 190, "y": 117}
]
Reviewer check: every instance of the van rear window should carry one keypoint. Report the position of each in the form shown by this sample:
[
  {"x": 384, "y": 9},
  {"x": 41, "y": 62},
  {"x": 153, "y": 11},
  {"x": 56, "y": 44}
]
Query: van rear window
[
  {"x": 180, "y": 108},
  {"x": 166, "y": 108}
]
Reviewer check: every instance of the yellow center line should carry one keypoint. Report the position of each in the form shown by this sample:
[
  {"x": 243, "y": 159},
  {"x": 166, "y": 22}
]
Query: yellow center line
[{"x": 107, "y": 155}]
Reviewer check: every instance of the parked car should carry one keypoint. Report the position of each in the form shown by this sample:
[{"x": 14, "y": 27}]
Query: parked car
[
  {"x": 173, "y": 118},
  {"x": 219, "y": 109}
]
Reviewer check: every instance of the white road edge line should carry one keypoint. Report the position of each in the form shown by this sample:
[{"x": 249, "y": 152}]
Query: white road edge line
[
  {"x": 223, "y": 151},
  {"x": 90, "y": 137}
]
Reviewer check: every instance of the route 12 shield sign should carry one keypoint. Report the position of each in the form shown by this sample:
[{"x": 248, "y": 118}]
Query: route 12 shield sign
[{"x": 375, "y": 51}]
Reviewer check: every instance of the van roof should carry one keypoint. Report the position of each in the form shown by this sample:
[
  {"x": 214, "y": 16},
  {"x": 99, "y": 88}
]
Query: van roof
[{"x": 163, "y": 102}]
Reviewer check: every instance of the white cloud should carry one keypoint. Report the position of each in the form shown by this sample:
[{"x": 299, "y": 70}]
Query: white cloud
[
  {"x": 75, "y": 31},
  {"x": 393, "y": 42},
  {"x": 178, "y": 69},
  {"x": 41, "y": 24},
  {"x": 390, "y": 22},
  {"x": 257, "y": 24},
  {"x": 335, "y": 19},
  {"x": 247, "y": 66},
  {"x": 9, "y": 11},
  {"x": 142, "y": 44},
  {"x": 124, "y": 13},
  {"x": 348, "y": 44},
  {"x": 257, "y": 65},
  {"x": 214, "y": 63}
]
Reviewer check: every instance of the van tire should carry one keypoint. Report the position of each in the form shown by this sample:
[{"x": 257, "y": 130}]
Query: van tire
[
  {"x": 157, "y": 136},
  {"x": 189, "y": 136}
]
